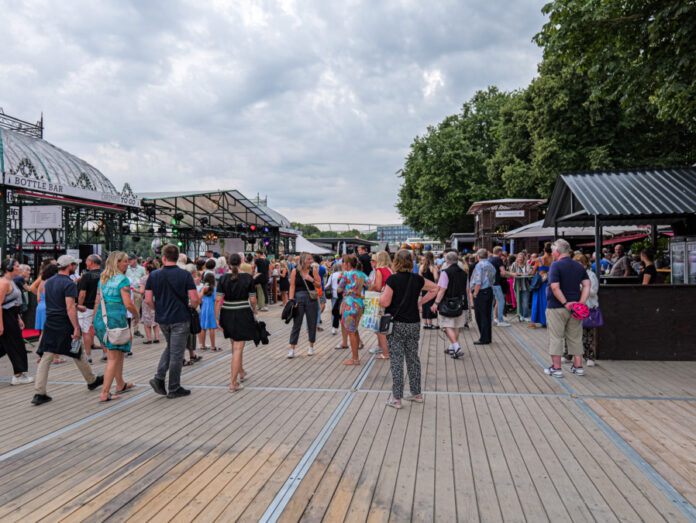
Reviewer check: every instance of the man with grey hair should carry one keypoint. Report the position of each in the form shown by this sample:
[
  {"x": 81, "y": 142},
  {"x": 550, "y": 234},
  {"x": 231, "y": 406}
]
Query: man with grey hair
[
  {"x": 86, "y": 297},
  {"x": 481, "y": 285},
  {"x": 452, "y": 286},
  {"x": 566, "y": 279}
]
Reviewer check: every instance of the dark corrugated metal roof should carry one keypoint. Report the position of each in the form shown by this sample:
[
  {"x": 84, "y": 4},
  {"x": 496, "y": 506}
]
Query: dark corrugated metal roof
[{"x": 627, "y": 193}]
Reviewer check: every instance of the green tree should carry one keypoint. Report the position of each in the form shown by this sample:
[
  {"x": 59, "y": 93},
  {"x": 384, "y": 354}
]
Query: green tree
[
  {"x": 445, "y": 170},
  {"x": 306, "y": 230},
  {"x": 632, "y": 51}
]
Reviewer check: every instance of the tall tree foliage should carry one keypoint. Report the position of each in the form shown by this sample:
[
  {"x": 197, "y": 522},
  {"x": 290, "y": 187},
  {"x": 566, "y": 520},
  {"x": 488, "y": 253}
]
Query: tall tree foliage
[
  {"x": 631, "y": 51},
  {"x": 445, "y": 170}
]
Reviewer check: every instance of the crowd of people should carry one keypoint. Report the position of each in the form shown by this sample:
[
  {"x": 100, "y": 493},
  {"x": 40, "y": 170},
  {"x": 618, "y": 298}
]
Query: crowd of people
[{"x": 169, "y": 295}]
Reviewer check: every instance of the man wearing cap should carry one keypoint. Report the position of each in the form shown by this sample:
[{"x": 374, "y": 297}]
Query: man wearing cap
[
  {"x": 568, "y": 284},
  {"x": 135, "y": 273},
  {"x": 61, "y": 329}
]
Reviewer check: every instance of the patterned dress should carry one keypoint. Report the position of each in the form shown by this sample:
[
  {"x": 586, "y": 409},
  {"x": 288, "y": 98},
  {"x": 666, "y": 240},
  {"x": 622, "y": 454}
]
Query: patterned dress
[
  {"x": 147, "y": 314},
  {"x": 115, "y": 310},
  {"x": 352, "y": 283}
]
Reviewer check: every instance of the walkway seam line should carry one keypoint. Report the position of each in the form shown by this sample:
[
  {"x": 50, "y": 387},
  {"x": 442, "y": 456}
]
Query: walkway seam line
[
  {"x": 655, "y": 477},
  {"x": 281, "y": 500}
]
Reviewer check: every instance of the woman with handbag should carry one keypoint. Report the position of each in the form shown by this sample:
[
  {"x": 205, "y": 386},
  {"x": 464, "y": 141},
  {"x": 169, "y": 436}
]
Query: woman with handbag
[
  {"x": 400, "y": 299},
  {"x": 111, "y": 322},
  {"x": 303, "y": 283},
  {"x": 382, "y": 271}
]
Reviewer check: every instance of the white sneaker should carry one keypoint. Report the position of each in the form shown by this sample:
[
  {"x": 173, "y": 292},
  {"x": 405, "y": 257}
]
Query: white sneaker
[
  {"x": 495, "y": 321},
  {"x": 590, "y": 363},
  {"x": 264, "y": 308},
  {"x": 334, "y": 331},
  {"x": 556, "y": 373},
  {"x": 503, "y": 324},
  {"x": 291, "y": 354},
  {"x": 310, "y": 351},
  {"x": 22, "y": 379}
]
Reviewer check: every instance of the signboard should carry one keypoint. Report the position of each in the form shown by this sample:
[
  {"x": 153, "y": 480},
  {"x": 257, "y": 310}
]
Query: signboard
[
  {"x": 42, "y": 217},
  {"x": 32, "y": 184},
  {"x": 509, "y": 214}
]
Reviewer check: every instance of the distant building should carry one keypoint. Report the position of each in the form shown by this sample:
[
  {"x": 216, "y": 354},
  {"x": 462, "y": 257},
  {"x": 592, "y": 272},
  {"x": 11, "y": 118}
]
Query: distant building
[{"x": 398, "y": 233}]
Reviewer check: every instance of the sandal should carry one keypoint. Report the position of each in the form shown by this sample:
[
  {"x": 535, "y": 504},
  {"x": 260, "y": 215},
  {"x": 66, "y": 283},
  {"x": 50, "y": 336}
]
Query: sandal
[
  {"x": 361, "y": 346},
  {"x": 242, "y": 378},
  {"x": 205, "y": 348},
  {"x": 381, "y": 357},
  {"x": 155, "y": 341},
  {"x": 109, "y": 397},
  {"x": 216, "y": 349},
  {"x": 187, "y": 363},
  {"x": 340, "y": 347},
  {"x": 237, "y": 388},
  {"x": 126, "y": 388},
  {"x": 351, "y": 362},
  {"x": 196, "y": 358}
]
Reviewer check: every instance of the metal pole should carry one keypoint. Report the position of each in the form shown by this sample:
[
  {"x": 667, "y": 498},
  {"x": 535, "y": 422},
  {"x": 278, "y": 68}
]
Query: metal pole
[
  {"x": 3, "y": 221},
  {"x": 598, "y": 245}
]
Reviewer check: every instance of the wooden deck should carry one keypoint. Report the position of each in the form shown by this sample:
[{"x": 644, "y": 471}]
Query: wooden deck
[{"x": 310, "y": 439}]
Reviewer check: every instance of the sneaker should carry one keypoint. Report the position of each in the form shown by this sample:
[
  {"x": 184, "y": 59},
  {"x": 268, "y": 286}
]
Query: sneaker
[
  {"x": 158, "y": 386},
  {"x": 577, "y": 370},
  {"x": 22, "y": 379},
  {"x": 503, "y": 324},
  {"x": 376, "y": 350},
  {"x": 178, "y": 393},
  {"x": 40, "y": 399},
  {"x": 291, "y": 354},
  {"x": 98, "y": 382},
  {"x": 457, "y": 353},
  {"x": 556, "y": 373},
  {"x": 449, "y": 351},
  {"x": 495, "y": 321},
  {"x": 590, "y": 363},
  {"x": 417, "y": 398},
  {"x": 265, "y": 309},
  {"x": 394, "y": 403},
  {"x": 334, "y": 331},
  {"x": 310, "y": 351}
]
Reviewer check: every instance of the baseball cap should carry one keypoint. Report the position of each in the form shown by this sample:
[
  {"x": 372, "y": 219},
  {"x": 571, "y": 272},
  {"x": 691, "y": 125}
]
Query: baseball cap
[
  {"x": 132, "y": 256},
  {"x": 67, "y": 260}
]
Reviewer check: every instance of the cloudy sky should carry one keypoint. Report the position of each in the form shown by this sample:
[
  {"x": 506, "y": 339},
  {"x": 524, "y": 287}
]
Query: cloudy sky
[{"x": 313, "y": 103}]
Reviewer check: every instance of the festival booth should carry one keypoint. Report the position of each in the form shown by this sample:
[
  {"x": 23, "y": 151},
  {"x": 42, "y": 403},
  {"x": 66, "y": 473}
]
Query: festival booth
[
  {"x": 494, "y": 218},
  {"x": 641, "y": 322},
  {"x": 53, "y": 202},
  {"x": 221, "y": 221}
]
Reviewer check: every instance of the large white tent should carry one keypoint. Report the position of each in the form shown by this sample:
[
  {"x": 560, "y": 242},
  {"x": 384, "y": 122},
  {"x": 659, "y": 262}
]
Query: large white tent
[
  {"x": 537, "y": 230},
  {"x": 304, "y": 245}
]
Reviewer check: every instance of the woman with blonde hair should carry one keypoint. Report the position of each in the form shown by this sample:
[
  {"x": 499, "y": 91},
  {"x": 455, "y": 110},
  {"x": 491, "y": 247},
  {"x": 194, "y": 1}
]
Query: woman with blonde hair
[
  {"x": 382, "y": 271},
  {"x": 113, "y": 300},
  {"x": 221, "y": 267}
]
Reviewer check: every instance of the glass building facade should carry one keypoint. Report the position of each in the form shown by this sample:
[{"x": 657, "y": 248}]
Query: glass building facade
[{"x": 395, "y": 233}]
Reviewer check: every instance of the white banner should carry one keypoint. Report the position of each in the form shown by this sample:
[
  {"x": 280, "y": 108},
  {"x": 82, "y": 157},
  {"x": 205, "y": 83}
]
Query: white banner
[{"x": 42, "y": 217}]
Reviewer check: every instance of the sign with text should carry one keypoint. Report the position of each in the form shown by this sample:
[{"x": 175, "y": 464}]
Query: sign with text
[
  {"x": 42, "y": 217},
  {"x": 509, "y": 214},
  {"x": 32, "y": 184}
]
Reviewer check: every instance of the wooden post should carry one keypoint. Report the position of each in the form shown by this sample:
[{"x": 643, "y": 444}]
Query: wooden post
[{"x": 653, "y": 235}]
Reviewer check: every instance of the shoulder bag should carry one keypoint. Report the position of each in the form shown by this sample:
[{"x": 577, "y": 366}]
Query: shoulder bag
[
  {"x": 195, "y": 319},
  {"x": 451, "y": 306},
  {"x": 386, "y": 322},
  {"x": 313, "y": 294},
  {"x": 119, "y": 336},
  {"x": 594, "y": 320}
]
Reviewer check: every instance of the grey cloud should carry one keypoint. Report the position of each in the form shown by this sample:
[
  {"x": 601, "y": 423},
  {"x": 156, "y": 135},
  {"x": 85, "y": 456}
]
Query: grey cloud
[{"x": 315, "y": 107}]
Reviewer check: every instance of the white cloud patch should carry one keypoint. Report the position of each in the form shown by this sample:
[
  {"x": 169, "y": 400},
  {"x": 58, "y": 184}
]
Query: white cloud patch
[{"x": 312, "y": 103}]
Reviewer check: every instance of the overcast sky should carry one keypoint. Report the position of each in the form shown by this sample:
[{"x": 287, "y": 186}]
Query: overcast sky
[{"x": 313, "y": 103}]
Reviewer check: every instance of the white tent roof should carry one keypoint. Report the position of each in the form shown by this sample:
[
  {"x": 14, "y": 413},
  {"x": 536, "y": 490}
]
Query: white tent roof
[
  {"x": 537, "y": 230},
  {"x": 304, "y": 245}
]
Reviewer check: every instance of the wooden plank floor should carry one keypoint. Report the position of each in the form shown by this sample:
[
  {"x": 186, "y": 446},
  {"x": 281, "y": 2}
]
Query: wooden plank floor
[{"x": 495, "y": 439}]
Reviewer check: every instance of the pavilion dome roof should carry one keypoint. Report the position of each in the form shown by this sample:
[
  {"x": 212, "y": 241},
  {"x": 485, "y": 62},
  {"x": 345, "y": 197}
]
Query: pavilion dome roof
[{"x": 37, "y": 158}]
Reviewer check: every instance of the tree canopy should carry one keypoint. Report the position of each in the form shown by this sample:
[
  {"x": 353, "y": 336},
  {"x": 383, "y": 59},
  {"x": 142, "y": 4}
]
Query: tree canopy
[{"x": 598, "y": 102}]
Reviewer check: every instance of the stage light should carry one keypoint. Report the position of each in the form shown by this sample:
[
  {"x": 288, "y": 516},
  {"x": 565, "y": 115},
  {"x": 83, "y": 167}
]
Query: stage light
[
  {"x": 265, "y": 229},
  {"x": 253, "y": 227},
  {"x": 179, "y": 244},
  {"x": 203, "y": 221},
  {"x": 266, "y": 243}
]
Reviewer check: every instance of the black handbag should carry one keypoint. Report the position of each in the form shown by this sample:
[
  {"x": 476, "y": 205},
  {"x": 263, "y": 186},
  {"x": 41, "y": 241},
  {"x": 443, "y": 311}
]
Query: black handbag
[
  {"x": 386, "y": 322},
  {"x": 451, "y": 307},
  {"x": 195, "y": 319}
]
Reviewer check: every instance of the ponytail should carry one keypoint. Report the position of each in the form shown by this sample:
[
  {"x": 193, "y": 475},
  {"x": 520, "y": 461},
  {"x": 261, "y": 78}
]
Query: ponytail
[{"x": 235, "y": 262}]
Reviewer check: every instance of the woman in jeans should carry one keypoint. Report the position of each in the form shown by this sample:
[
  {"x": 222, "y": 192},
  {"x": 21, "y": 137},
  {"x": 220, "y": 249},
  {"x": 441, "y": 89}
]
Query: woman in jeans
[
  {"x": 400, "y": 298},
  {"x": 302, "y": 280},
  {"x": 522, "y": 268}
]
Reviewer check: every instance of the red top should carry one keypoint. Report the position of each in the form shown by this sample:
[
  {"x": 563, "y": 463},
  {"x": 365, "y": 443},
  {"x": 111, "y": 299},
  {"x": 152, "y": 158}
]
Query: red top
[{"x": 386, "y": 272}]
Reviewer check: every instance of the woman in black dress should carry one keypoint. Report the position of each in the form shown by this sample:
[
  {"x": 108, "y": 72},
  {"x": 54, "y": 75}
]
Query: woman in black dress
[
  {"x": 235, "y": 307},
  {"x": 284, "y": 273},
  {"x": 428, "y": 270}
]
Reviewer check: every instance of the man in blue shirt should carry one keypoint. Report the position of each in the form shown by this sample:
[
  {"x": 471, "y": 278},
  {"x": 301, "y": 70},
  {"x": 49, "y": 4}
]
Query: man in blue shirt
[
  {"x": 171, "y": 288},
  {"x": 481, "y": 285},
  {"x": 568, "y": 284}
]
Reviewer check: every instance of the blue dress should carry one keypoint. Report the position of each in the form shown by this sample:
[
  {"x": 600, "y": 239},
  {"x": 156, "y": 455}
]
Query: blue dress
[
  {"x": 40, "y": 317},
  {"x": 115, "y": 310},
  {"x": 539, "y": 300},
  {"x": 208, "y": 312}
]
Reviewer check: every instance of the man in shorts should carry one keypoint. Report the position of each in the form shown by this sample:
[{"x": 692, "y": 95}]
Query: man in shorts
[{"x": 86, "y": 297}]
